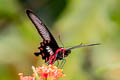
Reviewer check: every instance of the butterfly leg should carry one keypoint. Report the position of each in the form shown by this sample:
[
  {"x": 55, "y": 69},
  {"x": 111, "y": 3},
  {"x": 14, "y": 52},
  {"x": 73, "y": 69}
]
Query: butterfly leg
[
  {"x": 47, "y": 63},
  {"x": 63, "y": 56},
  {"x": 62, "y": 63},
  {"x": 57, "y": 63}
]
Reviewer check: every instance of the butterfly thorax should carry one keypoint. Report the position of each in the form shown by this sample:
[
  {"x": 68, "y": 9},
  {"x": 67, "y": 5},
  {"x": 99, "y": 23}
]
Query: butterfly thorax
[{"x": 60, "y": 54}]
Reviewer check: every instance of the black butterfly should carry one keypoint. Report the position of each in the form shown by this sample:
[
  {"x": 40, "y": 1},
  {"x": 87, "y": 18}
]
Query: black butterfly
[{"x": 49, "y": 49}]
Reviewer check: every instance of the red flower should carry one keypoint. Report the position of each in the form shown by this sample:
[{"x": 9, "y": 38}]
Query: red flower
[
  {"x": 25, "y": 77},
  {"x": 49, "y": 72}
]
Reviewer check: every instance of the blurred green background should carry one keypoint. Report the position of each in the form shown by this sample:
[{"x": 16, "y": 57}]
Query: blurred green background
[{"x": 76, "y": 21}]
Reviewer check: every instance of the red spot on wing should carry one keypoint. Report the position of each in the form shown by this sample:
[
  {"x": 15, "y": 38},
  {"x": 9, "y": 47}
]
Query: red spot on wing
[
  {"x": 45, "y": 42},
  {"x": 42, "y": 44},
  {"x": 48, "y": 41},
  {"x": 43, "y": 54},
  {"x": 46, "y": 59},
  {"x": 41, "y": 49}
]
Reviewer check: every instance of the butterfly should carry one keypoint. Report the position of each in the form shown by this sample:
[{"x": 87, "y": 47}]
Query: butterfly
[{"x": 49, "y": 49}]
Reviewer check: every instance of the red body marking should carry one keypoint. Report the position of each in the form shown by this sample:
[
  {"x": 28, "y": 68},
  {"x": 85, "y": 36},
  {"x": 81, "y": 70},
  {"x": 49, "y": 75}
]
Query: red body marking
[{"x": 54, "y": 56}]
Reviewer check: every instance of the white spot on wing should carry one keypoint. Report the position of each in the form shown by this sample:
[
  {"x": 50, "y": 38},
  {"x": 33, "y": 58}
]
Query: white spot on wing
[{"x": 49, "y": 50}]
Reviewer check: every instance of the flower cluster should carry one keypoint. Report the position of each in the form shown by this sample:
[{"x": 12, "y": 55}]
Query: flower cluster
[
  {"x": 45, "y": 72},
  {"x": 25, "y": 77}
]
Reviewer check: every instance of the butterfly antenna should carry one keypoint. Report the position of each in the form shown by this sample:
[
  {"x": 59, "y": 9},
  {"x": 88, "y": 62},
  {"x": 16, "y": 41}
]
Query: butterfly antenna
[
  {"x": 61, "y": 41},
  {"x": 86, "y": 45}
]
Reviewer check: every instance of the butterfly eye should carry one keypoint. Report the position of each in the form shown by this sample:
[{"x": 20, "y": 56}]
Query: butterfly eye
[{"x": 67, "y": 52}]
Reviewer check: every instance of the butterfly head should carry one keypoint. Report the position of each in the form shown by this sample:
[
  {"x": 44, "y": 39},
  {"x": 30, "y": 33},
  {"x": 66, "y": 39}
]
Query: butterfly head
[
  {"x": 62, "y": 52},
  {"x": 67, "y": 52}
]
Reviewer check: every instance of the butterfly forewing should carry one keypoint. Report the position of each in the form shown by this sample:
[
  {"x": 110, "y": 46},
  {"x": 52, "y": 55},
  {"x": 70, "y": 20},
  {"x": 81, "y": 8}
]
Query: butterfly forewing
[{"x": 41, "y": 28}]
